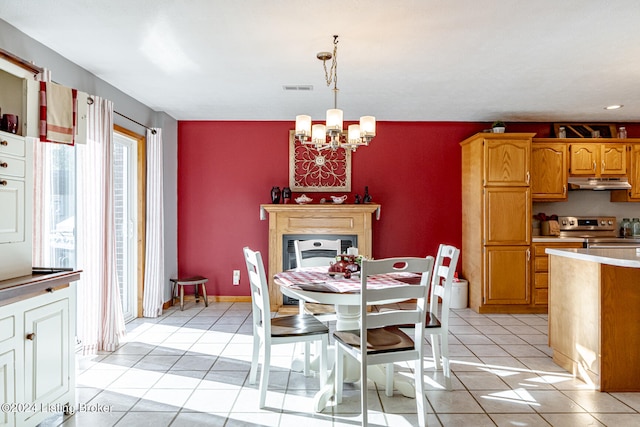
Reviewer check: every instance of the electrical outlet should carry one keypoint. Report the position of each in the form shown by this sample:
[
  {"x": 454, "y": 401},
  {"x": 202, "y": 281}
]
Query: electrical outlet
[{"x": 236, "y": 277}]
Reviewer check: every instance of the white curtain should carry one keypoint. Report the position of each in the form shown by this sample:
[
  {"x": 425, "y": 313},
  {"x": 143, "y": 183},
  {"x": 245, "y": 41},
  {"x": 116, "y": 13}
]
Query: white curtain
[
  {"x": 154, "y": 260},
  {"x": 100, "y": 319}
]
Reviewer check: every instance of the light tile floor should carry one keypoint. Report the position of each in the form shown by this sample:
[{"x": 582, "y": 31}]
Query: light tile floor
[{"x": 190, "y": 368}]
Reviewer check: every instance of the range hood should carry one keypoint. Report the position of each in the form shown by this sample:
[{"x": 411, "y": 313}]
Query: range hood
[{"x": 587, "y": 183}]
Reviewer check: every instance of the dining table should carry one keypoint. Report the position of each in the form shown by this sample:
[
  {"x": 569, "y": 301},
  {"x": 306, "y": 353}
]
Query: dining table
[{"x": 317, "y": 285}]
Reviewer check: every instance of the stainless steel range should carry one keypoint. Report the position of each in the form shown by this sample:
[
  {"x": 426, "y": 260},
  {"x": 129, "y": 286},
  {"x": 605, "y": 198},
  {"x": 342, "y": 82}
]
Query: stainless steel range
[{"x": 598, "y": 231}]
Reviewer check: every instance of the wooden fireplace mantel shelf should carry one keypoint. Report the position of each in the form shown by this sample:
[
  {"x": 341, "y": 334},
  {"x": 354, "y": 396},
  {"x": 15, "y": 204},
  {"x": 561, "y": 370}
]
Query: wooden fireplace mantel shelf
[{"x": 325, "y": 218}]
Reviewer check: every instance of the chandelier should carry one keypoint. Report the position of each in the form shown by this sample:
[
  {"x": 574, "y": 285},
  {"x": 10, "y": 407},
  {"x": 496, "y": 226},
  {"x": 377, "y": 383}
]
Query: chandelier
[{"x": 331, "y": 134}]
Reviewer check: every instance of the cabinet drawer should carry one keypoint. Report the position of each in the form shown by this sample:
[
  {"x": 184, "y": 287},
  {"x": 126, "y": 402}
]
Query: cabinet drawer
[
  {"x": 539, "y": 250},
  {"x": 541, "y": 263},
  {"x": 541, "y": 280},
  {"x": 7, "y": 328},
  {"x": 11, "y": 167},
  {"x": 541, "y": 296},
  {"x": 12, "y": 144}
]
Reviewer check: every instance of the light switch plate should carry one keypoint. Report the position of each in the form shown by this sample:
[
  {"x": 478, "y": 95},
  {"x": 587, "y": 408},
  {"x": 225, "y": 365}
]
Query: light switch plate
[{"x": 236, "y": 277}]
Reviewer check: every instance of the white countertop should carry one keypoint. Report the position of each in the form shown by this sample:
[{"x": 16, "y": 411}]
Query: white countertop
[
  {"x": 622, "y": 257},
  {"x": 554, "y": 239}
]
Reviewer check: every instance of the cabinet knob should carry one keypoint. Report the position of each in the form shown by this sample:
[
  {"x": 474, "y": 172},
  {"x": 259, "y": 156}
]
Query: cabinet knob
[
  {"x": 4, "y": 142},
  {"x": 31, "y": 336},
  {"x": 3, "y": 182},
  {"x": 4, "y": 165}
]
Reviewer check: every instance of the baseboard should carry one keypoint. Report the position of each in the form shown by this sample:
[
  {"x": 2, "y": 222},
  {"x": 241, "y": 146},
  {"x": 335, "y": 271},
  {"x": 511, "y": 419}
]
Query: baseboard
[{"x": 176, "y": 301}]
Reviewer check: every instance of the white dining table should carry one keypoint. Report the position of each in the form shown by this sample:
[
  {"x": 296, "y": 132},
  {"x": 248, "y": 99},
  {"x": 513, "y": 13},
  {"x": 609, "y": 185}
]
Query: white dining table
[{"x": 344, "y": 294}]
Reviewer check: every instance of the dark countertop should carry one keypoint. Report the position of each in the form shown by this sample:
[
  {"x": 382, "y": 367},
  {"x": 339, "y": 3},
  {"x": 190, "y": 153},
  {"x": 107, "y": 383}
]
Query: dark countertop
[{"x": 40, "y": 282}]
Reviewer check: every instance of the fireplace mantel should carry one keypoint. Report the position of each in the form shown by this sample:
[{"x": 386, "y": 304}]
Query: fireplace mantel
[{"x": 314, "y": 219}]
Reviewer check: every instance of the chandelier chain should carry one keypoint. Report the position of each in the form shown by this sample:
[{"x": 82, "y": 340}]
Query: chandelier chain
[{"x": 331, "y": 75}]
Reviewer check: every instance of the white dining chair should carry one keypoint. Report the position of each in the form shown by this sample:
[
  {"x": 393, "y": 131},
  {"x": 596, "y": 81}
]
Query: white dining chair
[
  {"x": 437, "y": 323},
  {"x": 316, "y": 253},
  {"x": 379, "y": 332},
  {"x": 268, "y": 331}
]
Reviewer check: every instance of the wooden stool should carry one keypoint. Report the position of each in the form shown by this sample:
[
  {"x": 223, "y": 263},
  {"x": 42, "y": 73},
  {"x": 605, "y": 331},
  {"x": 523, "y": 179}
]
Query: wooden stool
[{"x": 189, "y": 281}]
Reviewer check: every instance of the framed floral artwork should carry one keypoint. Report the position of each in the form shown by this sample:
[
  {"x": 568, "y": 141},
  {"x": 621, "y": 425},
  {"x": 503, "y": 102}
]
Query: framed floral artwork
[{"x": 318, "y": 170}]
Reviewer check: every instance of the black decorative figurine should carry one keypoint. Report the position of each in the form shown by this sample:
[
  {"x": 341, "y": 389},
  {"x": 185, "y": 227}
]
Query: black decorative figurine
[
  {"x": 357, "y": 201},
  {"x": 275, "y": 195},
  {"x": 367, "y": 197}
]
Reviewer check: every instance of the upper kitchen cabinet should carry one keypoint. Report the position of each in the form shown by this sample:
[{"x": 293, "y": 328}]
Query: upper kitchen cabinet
[
  {"x": 598, "y": 159},
  {"x": 632, "y": 195},
  {"x": 19, "y": 97},
  {"x": 506, "y": 159},
  {"x": 548, "y": 170}
]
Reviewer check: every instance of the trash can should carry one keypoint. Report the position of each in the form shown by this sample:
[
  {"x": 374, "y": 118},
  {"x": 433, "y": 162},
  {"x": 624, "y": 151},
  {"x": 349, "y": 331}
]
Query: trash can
[{"x": 459, "y": 293}]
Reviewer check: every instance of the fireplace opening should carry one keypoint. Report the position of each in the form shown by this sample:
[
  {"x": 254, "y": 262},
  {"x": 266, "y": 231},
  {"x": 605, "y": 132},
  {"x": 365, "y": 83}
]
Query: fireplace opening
[{"x": 289, "y": 253}]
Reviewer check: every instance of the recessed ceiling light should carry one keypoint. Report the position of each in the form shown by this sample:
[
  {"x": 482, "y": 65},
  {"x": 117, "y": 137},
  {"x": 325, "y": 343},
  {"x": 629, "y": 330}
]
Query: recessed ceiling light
[{"x": 613, "y": 107}]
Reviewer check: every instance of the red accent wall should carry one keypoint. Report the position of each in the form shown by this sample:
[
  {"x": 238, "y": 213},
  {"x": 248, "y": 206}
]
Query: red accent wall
[{"x": 226, "y": 170}]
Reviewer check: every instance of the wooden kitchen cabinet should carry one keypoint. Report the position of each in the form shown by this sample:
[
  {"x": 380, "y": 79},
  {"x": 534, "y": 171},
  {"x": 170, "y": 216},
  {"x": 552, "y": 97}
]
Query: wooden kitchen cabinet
[
  {"x": 540, "y": 269},
  {"x": 597, "y": 159},
  {"x": 506, "y": 161},
  {"x": 507, "y": 275},
  {"x": 548, "y": 171},
  {"x": 496, "y": 221},
  {"x": 633, "y": 194},
  {"x": 507, "y": 215}
]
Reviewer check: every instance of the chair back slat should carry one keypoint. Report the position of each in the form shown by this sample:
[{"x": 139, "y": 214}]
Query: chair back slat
[{"x": 313, "y": 252}]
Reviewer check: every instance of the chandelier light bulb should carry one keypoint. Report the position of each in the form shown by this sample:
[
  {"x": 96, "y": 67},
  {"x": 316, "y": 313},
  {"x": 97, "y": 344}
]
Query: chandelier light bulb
[
  {"x": 319, "y": 134},
  {"x": 368, "y": 125},
  {"x": 303, "y": 125},
  {"x": 334, "y": 119}
]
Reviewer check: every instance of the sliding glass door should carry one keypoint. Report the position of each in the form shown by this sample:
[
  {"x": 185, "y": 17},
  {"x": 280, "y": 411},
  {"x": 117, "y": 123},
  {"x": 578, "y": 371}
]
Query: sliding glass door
[{"x": 126, "y": 220}]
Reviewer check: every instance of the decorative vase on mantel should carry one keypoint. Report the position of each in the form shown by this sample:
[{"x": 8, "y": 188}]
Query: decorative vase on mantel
[
  {"x": 275, "y": 195},
  {"x": 286, "y": 195}
]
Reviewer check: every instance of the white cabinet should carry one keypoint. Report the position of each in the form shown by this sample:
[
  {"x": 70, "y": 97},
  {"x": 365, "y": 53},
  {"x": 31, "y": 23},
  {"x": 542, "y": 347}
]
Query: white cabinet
[
  {"x": 19, "y": 96},
  {"x": 37, "y": 363},
  {"x": 16, "y": 200}
]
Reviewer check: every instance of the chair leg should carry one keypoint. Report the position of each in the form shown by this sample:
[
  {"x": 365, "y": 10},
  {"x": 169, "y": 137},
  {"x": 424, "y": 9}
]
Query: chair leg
[
  {"x": 181, "y": 298},
  {"x": 446, "y": 368},
  {"x": 389, "y": 380},
  {"x": 264, "y": 374},
  {"x": 339, "y": 372},
  {"x": 204, "y": 295},
  {"x": 421, "y": 401},
  {"x": 307, "y": 344},
  {"x": 364, "y": 390},
  {"x": 253, "y": 373},
  {"x": 435, "y": 348}
]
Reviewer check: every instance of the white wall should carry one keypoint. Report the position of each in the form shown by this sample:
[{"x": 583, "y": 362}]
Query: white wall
[{"x": 69, "y": 74}]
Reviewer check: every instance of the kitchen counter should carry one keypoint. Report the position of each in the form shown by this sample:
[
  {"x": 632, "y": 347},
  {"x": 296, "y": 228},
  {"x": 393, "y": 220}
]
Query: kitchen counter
[
  {"x": 594, "y": 321},
  {"x": 19, "y": 288},
  {"x": 555, "y": 239},
  {"x": 620, "y": 257}
]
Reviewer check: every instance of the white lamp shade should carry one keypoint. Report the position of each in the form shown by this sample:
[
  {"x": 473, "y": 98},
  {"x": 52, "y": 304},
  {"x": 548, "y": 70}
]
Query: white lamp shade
[
  {"x": 319, "y": 134},
  {"x": 368, "y": 125},
  {"x": 303, "y": 125},
  {"x": 354, "y": 133},
  {"x": 334, "y": 119}
]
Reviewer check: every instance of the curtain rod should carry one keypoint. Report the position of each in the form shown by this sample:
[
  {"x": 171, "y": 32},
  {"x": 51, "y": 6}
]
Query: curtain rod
[{"x": 153, "y": 131}]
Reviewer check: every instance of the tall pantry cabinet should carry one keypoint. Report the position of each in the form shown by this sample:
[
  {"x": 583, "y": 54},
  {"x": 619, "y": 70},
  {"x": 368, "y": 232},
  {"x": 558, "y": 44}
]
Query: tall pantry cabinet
[{"x": 496, "y": 221}]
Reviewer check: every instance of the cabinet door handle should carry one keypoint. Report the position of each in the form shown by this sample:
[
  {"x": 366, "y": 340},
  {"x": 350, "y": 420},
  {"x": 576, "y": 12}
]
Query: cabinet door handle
[
  {"x": 603, "y": 166},
  {"x": 31, "y": 336},
  {"x": 4, "y": 165},
  {"x": 3, "y": 182},
  {"x": 4, "y": 142},
  {"x": 528, "y": 255},
  {"x": 564, "y": 189},
  {"x": 594, "y": 165},
  {"x": 528, "y": 177}
]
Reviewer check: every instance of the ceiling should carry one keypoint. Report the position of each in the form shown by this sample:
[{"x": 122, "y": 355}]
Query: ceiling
[{"x": 403, "y": 60}]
